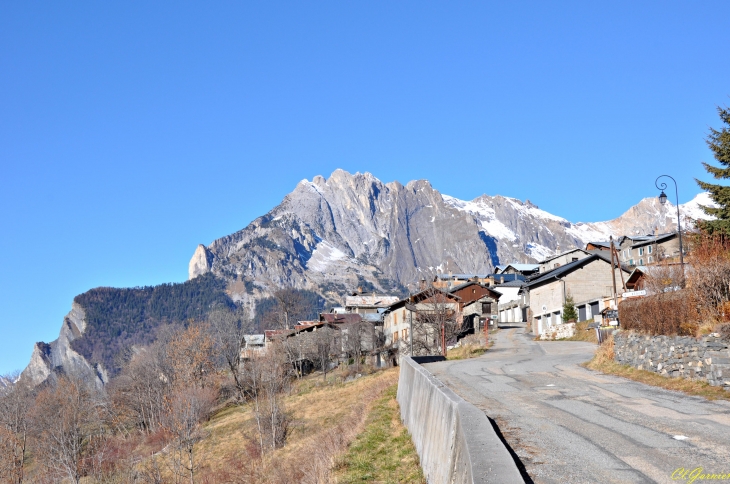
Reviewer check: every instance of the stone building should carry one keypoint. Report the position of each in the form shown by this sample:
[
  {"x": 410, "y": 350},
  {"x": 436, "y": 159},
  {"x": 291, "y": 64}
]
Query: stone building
[{"x": 588, "y": 280}]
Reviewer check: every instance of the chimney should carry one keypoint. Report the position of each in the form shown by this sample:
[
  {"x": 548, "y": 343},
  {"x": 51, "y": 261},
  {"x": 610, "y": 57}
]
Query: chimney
[{"x": 422, "y": 284}]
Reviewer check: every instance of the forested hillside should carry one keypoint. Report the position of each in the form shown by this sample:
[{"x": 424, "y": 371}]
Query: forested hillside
[{"x": 119, "y": 318}]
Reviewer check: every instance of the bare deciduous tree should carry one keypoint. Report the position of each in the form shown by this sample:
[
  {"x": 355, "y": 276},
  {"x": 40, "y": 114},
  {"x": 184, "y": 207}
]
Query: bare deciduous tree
[
  {"x": 186, "y": 407},
  {"x": 267, "y": 377},
  {"x": 229, "y": 329},
  {"x": 325, "y": 343},
  {"x": 435, "y": 322},
  {"x": 290, "y": 305},
  {"x": 189, "y": 353},
  {"x": 139, "y": 392},
  {"x": 16, "y": 401},
  {"x": 70, "y": 428},
  {"x": 357, "y": 339}
]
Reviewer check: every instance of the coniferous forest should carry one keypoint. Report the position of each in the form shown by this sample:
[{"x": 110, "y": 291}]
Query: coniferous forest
[{"x": 119, "y": 318}]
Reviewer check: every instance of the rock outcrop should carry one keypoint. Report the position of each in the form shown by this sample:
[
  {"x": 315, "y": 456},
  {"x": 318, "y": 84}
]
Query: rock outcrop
[
  {"x": 59, "y": 358},
  {"x": 201, "y": 262}
]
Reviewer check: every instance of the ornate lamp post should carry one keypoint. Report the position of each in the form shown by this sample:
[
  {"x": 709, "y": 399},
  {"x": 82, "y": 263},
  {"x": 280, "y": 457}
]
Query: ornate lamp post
[{"x": 663, "y": 199}]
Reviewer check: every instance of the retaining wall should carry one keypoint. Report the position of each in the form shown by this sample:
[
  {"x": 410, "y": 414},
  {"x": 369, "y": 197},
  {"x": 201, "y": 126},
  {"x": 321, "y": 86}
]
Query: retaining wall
[
  {"x": 455, "y": 440},
  {"x": 706, "y": 359}
]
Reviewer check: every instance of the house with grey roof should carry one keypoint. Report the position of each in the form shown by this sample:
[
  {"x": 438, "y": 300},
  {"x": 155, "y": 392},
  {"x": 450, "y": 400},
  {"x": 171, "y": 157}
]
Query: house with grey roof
[{"x": 589, "y": 280}]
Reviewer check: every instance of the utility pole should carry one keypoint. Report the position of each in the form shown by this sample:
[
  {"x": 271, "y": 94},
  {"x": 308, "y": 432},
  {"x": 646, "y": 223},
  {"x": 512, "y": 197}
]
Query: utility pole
[{"x": 613, "y": 274}]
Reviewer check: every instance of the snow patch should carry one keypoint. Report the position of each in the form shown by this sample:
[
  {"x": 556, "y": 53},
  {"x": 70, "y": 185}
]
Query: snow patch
[
  {"x": 485, "y": 215},
  {"x": 324, "y": 255}
]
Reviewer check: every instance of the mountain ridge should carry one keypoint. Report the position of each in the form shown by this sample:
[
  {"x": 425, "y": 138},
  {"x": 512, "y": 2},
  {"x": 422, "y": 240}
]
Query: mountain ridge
[{"x": 334, "y": 235}]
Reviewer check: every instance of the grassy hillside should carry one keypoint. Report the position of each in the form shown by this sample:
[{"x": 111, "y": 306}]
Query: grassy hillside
[{"x": 339, "y": 432}]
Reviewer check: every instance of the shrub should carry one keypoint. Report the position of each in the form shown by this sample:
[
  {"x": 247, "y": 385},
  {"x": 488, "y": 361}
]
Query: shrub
[{"x": 673, "y": 313}]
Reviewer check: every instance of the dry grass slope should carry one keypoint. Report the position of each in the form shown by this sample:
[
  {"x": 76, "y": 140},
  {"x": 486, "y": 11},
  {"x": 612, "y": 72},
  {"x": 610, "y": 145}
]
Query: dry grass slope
[
  {"x": 325, "y": 419},
  {"x": 383, "y": 452}
]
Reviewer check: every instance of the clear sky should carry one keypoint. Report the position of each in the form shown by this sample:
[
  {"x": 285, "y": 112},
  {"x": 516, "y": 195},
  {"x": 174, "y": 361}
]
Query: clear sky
[{"x": 132, "y": 131}]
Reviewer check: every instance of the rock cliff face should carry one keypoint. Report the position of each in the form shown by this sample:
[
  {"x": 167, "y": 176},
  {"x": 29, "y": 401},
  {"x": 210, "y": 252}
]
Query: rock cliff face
[
  {"x": 201, "y": 262},
  {"x": 58, "y": 356},
  {"x": 351, "y": 230}
]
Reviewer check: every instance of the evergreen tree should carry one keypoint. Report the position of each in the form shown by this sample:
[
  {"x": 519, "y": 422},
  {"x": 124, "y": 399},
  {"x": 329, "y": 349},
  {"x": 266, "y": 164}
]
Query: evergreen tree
[
  {"x": 569, "y": 312},
  {"x": 719, "y": 143}
]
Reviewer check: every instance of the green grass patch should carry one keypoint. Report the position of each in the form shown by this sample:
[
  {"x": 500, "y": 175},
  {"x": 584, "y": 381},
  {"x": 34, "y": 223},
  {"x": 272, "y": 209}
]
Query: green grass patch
[{"x": 383, "y": 452}]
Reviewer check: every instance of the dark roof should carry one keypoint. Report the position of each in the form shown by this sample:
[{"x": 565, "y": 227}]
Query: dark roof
[
  {"x": 340, "y": 318},
  {"x": 548, "y": 259},
  {"x": 515, "y": 283},
  {"x": 654, "y": 240},
  {"x": 474, "y": 283},
  {"x": 567, "y": 268},
  {"x": 462, "y": 276},
  {"x": 419, "y": 296}
]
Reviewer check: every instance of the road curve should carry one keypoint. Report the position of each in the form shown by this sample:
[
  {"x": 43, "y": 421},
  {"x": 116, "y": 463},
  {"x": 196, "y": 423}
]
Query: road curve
[{"x": 569, "y": 424}]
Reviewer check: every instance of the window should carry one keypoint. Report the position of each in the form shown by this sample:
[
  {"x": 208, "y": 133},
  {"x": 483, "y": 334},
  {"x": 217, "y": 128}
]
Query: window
[
  {"x": 404, "y": 334},
  {"x": 486, "y": 308},
  {"x": 641, "y": 262},
  {"x": 556, "y": 265},
  {"x": 628, "y": 252},
  {"x": 650, "y": 249},
  {"x": 395, "y": 337},
  {"x": 575, "y": 259},
  {"x": 395, "y": 318},
  {"x": 631, "y": 262},
  {"x": 651, "y": 259},
  {"x": 641, "y": 251}
]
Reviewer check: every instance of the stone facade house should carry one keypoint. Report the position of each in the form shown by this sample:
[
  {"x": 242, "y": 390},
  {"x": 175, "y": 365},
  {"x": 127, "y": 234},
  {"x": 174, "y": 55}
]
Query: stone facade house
[
  {"x": 588, "y": 280},
  {"x": 643, "y": 250}
]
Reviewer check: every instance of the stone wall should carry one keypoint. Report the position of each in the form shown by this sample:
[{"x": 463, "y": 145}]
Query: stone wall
[
  {"x": 559, "y": 331},
  {"x": 706, "y": 359},
  {"x": 454, "y": 440}
]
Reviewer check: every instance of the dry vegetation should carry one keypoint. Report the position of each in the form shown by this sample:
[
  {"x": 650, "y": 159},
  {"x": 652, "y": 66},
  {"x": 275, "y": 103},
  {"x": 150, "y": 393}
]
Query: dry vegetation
[
  {"x": 604, "y": 362},
  {"x": 470, "y": 347},
  {"x": 192, "y": 408},
  {"x": 689, "y": 302},
  {"x": 582, "y": 333},
  {"x": 324, "y": 418}
]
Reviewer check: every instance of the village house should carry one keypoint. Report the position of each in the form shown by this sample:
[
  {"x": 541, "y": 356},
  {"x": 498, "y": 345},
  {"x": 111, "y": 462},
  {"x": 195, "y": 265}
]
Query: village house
[
  {"x": 399, "y": 318},
  {"x": 642, "y": 250},
  {"x": 478, "y": 305},
  {"x": 521, "y": 269},
  {"x": 368, "y": 303},
  {"x": 588, "y": 280},
  {"x": 511, "y": 303},
  {"x": 562, "y": 259},
  {"x": 447, "y": 281}
]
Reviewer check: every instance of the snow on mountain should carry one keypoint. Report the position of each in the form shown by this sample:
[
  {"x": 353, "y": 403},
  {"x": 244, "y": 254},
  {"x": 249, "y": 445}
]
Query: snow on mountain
[{"x": 351, "y": 230}]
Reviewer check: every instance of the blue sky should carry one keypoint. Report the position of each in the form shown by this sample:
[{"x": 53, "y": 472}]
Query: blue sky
[{"x": 132, "y": 131}]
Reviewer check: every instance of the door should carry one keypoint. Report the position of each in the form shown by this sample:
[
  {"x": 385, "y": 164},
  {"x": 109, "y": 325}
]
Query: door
[
  {"x": 582, "y": 313},
  {"x": 594, "y": 309}
]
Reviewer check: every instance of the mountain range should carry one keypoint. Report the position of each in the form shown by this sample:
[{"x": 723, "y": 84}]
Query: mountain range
[{"x": 335, "y": 235}]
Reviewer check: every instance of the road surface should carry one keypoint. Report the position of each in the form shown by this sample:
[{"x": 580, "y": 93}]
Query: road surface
[{"x": 570, "y": 424}]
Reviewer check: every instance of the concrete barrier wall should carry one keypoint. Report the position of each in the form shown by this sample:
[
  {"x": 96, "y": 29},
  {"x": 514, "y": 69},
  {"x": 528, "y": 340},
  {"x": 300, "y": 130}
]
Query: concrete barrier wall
[{"x": 455, "y": 440}]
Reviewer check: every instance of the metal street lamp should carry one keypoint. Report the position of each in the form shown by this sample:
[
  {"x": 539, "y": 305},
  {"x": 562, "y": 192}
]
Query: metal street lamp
[{"x": 663, "y": 199}]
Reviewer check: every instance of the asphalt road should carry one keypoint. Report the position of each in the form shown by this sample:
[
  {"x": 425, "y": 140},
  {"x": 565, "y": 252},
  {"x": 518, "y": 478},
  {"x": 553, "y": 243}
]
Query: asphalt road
[{"x": 570, "y": 424}]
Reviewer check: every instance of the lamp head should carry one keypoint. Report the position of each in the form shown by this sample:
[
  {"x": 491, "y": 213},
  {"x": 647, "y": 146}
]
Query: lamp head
[{"x": 662, "y": 198}]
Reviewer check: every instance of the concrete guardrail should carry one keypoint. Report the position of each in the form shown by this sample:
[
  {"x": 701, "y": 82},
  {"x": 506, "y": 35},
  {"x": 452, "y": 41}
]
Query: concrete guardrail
[{"x": 455, "y": 441}]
